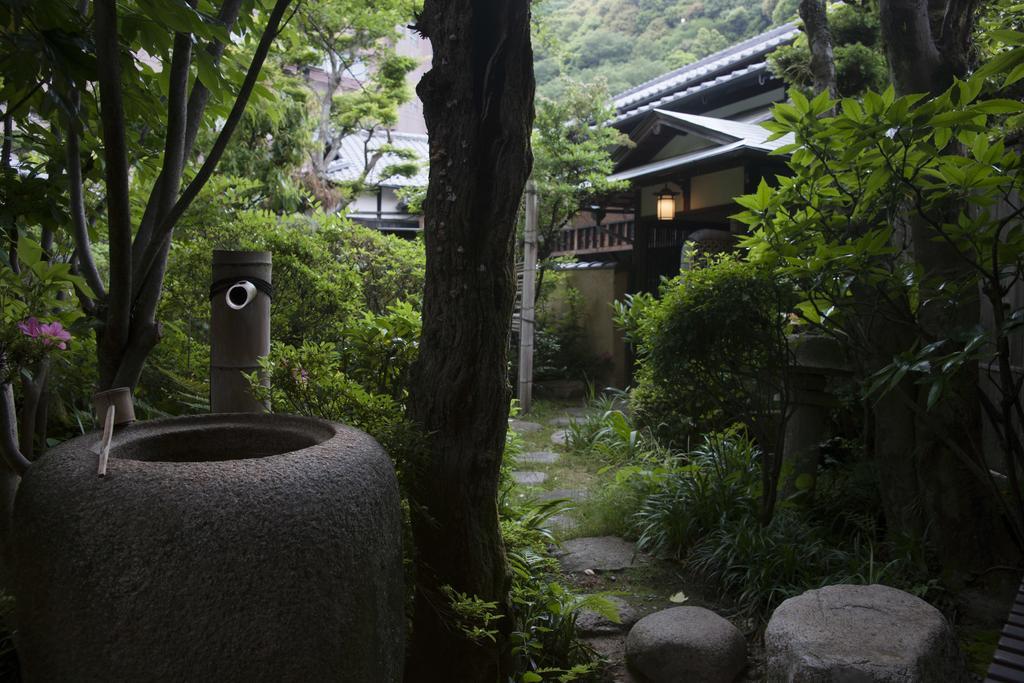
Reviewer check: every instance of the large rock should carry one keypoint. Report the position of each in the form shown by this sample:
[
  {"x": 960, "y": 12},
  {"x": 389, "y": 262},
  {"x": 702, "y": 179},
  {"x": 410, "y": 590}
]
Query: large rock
[
  {"x": 860, "y": 633},
  {"x": 686, "y": 644},
  {"x": 217, "y": 548}
]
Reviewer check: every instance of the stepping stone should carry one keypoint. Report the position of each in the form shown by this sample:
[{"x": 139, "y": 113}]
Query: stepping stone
[
  {"x": 522, "y": 426},
  {"x": 571, "y": 494},
  {"x": 591, "y": 623},
  {"x": 562, "y": 522},
  {"x": 695, "y": 644},
  {"x": 528, "y": 478},
  {"x": 860, "y": 633},
  {"x": 565, "y": 420},
  {"x": 560, "y": 437},
  {"x": 600, "y": 553},
  {"x": 612, "y": 648},
  {"x": 540, "y": 457},
  {"x": 578, "y": 411}
]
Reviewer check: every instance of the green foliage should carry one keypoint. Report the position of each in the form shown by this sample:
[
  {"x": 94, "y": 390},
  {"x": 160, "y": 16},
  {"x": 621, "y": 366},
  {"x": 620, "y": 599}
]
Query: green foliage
[
  {"x": 561, "y": 350},
  {"x": 628, "y": 42},
  {"x": 720, "y": 482},
  {"x": 572, "y": 143},
  {"x": 42, "y": 290},
  {"x": 391, "y": 269},
  {"x": 857, "y": 52},
  {"x": 378, "y": 349},
  {"x": 272, "y": 143},
  {"x": 310, "y": 380},
  {"x": 860, "y": 170},
  {"x": 366, "y": 82},
  {"x": 879, "y": 191},
  {"x": 334, "y": 282},
  {"x": 544, "y": 644},
  {"x": 703, "y": 507},
  {"x": 710, "y": 351},
  {"x": 473, "y": 616}
]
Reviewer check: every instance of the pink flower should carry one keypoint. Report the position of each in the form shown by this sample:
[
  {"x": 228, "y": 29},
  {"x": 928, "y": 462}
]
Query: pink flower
[
  {"x": 48, "y": 334},
  {"x": 300, "y": 375}
]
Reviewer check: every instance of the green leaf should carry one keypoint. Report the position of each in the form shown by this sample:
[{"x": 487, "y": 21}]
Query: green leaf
[
  {"x": 934, "y": 394},
  {"x": 29, "y": 252}
]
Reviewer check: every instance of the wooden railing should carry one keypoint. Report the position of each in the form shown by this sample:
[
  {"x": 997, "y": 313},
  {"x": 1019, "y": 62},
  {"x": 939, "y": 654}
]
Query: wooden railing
[
  {"x": 589, "y": 239},
  {"x": 620, "y": 236}
]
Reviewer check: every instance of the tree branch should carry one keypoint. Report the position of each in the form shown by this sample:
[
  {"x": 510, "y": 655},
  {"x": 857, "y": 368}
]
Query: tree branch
[
  {"x": 108, "y": 60},
  {"x": 155, "y": 254},
  {"x": 956, "y": 34},
  {"x": 196, "y": 108},
  {"x": 8, "y": 431},
  {"x": 80, "y": 227},
  {"x": 165, "y": 191},
  {"x": 914, "y": 62},
  {"x": 819, "y": 38}
]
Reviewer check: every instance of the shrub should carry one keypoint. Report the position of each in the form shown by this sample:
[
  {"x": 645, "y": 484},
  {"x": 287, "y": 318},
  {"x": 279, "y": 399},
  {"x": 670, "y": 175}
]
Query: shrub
[
  {"x": 544, "y": 643},
  {"x": 310, "y": 380},
  {"x": 334, "y": 281},
  {"x": 720, "y": 482},
  {"x": 711, "y": 351}
]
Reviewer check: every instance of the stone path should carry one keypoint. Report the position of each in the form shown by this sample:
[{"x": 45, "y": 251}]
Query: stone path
[
  {"x": 539, "y": 457},
  {"x": 529, "y": 478},
  {"x": 600, "y": 554},
  {"x": 585, "y": 561},
  {"x": 523, "y": 426},
  {"x": 572, "y": 494}
]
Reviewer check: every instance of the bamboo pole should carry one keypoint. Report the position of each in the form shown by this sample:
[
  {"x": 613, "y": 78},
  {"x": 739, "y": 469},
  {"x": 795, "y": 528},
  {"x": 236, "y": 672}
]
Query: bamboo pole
[{"x": 526, "y": 322}]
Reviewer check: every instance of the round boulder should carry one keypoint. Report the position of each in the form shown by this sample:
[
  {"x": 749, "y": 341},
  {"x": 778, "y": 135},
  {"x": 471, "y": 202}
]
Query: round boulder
[
  {"x": 860, "y": 633},
  {"x": 217, "y": 548},
  {"x": 689, "y": 644}
]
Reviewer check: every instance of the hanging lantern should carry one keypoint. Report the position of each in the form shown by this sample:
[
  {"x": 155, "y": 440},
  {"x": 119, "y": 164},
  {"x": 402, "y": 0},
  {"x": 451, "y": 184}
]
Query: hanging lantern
[{"x": 666, "y": 204}]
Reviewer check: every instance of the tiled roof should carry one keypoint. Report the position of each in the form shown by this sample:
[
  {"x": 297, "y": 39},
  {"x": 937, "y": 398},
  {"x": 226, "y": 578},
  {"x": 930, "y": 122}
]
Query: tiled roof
[
  {"x": 751, "y": 134},
  {"x": 720, "y": 67},
  {"x": 745, "y": 136},
  {"x": 349, "y": 165}
]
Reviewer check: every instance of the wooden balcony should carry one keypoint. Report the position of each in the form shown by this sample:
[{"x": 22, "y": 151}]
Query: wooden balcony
[
  {"x": 594, "y": 239},
  {"x": 621, "y": 236}
]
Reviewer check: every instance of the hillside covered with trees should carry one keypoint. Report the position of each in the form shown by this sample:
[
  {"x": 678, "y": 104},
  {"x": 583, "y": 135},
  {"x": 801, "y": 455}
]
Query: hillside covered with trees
[{"x": 627, "y": 42}]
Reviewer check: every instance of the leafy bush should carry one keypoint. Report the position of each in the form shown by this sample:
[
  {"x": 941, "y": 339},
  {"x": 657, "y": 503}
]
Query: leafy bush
[
  {"x": 719, "y": 482},
  {"x": 544, "y": 643},
  {"x": 711, "y": 351},
  {"x": 334, "y": 282},
  {"x": 705, "y": 510},
  {"x": 311, "y": 380}
]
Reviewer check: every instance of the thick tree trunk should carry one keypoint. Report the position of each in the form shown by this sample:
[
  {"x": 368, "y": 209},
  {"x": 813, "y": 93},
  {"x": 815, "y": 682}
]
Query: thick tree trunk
[
  {"x": 819, "y": 39},
  {"x": 478, "y": 105}
]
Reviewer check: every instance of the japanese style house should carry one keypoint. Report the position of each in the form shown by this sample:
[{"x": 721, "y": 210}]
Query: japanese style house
[{"x": 697, "y": 144}]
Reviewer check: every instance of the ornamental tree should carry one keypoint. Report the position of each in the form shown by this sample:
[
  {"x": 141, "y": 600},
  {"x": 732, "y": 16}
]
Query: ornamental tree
[{"x": 104, "y": 102}]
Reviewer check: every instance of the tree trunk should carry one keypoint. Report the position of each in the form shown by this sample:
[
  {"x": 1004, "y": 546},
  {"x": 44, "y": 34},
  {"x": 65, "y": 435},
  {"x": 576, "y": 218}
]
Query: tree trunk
[
  {"x": 478, "y": 105},
  {"x": 958, "y": 513},
  {"x": 819, "y": 39}
]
